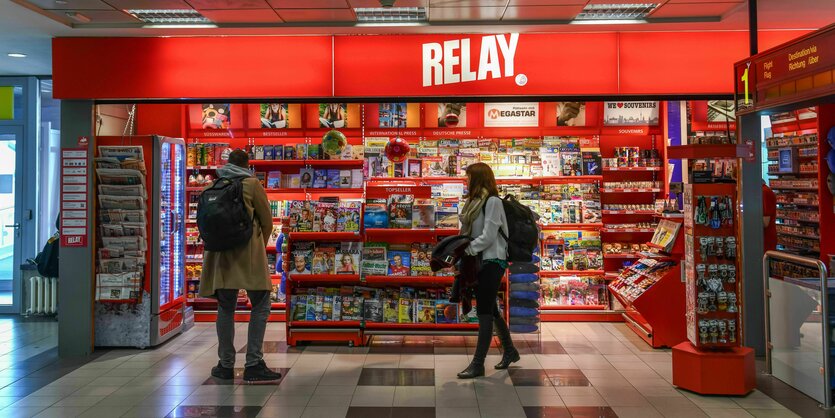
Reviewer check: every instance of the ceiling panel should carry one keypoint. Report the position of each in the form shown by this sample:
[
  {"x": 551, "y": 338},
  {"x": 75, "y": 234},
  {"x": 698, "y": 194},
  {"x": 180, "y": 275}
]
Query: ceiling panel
[
  {"x": 693, "y": 9},
  {"x": 228, "y": 4},
  {"x": 400, "y": 3},
  {"x": 309, "y": 4},
  {"x": 242, "y": 16},
  {"x": 465, "y": 13},
  {"x": 316, "y": 15},
  {"x": 71, "y": 5},
  {"x": 99, "y": 16},
  {"x": 149, "y": 4},
  {"x": 462, "y": 3},
  {"x": 542, "y": 12},
  {"x": 547, "y": 2}
]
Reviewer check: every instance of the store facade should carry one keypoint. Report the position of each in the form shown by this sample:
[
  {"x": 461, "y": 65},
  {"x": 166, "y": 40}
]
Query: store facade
[{"x": 613, "y": 74}]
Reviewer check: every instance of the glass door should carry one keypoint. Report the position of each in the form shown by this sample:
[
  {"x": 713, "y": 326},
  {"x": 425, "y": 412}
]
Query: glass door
[{"x": 10, "y": 219}]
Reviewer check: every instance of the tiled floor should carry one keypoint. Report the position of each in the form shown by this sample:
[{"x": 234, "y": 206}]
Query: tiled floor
[{"x": 575, "y": 370}]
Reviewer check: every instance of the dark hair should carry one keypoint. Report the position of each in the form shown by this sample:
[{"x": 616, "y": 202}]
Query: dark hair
[
  {"x": 239, "y": 158},
  {"x": 481, "y": 178}
]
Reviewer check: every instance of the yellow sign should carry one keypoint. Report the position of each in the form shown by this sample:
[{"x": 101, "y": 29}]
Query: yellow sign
[{"x": 6, "y": 103}]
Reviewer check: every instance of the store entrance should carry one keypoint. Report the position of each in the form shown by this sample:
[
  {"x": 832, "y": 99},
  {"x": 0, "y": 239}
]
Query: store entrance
[{"x": 10, "y": 246}]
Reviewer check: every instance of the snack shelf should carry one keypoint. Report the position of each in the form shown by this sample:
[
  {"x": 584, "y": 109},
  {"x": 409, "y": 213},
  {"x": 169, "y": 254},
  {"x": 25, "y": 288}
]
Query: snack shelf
[
  {"x": 628, "y": 230},
  {"x": 195, "y": 188},
  {"x": 810, "y": 189},
  {"x": 554, "y": 227},
  {"x": 786, "y": 218},
  {"x": 627, "y": 212},
  {"x": 805, "y": 145},
  {"x": 799, "y": 235},
  {"x": 621, "y": 256},
  {"x": 203, "y": 167}
]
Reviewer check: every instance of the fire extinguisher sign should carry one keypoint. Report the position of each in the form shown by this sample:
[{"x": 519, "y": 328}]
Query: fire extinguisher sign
[{"x": 74, "y": 197}]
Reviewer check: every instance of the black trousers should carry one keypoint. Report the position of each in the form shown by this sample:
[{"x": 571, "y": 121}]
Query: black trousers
[{"x": 489, "y": 279}]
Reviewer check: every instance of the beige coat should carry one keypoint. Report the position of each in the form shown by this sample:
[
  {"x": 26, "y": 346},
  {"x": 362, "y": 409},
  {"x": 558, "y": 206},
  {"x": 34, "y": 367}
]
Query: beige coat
[{"x": 244, "y": 267}]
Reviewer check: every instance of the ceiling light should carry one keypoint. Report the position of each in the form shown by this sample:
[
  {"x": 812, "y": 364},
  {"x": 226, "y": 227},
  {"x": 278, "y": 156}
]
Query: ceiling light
[
  {"x": 616, "y": 12},
  {"x": 390, "y": 14},
  {"x": 16, "y": 55},
  {"x": 608, "y": 22},
  {"x": 187, "y": 26},
  {"x": 169, "y": 17},
  {"x": 78, "y": 17},
  {"x": 61, "y": 2},
  {"x": 389, "y": 24}
]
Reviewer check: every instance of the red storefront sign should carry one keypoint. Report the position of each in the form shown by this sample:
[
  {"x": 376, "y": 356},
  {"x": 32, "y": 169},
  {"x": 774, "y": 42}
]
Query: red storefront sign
[{"x": 553, "y": 64}]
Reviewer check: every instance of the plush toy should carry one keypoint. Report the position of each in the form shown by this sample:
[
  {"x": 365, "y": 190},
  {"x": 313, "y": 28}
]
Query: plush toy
[{"x": 397, "y": 150}]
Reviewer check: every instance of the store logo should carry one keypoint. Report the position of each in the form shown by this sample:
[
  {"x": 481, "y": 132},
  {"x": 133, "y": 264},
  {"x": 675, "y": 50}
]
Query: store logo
[
  {"x": 449, "y": 62},
  {"x": 493, "y": 113}
]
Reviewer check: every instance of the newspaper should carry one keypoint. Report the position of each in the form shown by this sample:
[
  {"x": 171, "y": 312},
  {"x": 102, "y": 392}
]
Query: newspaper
[
  {"x": 122, "y": 152},
  {"x": 126, "y": 229},
  {"x": 118, "y": 286},
  {"x": 121, "y": 215},
  {"x": 135, "y": 190},
  {"x": 120, "y": 177},
  {"x": 126, "y": 243},
  {"x": 121, "y": 202},
  {"x": 121, "y": 265},
  {"x": 110, "y": 163}
]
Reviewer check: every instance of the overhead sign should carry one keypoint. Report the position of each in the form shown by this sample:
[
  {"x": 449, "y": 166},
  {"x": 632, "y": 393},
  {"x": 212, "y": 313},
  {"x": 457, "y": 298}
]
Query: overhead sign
[
  {"x": 511, "y": 115},
  {"x": 630, "y": 113}
]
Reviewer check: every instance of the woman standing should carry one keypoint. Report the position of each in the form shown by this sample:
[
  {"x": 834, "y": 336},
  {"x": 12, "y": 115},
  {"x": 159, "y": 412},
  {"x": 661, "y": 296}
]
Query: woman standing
[{"x": 481, "y": 218}]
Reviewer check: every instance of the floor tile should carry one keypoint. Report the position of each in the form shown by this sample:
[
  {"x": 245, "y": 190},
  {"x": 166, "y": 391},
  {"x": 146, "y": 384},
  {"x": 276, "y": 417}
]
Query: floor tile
[
  {"x": 772, "y": 413},
  {"x": 149, "y": 411},
  {"x": 636, "y": 412},
  {"x": 503, "y": 411},
  {"x": 444, "y": 412},
  {"x": 414, "y": 396},
  {"x": 592, "y": 412},
  {"x": 369, "y": 412},
  {"x": 396, "y": 377},
  {"x": 382, "y": 396},
  {"x": 105, "y": 411},
  {"x": 547, "y": 412},
  {"x": 281, "y": 412},
  {"x": 529, "y": 377},
  {"x": 538, "y": 396},
  {"x": 567, "y": 377},
  {"x": 726, "y": 413},
  {"x": 61, "y": 412},
  {"x": 215, "y": 411},
  {"x": 21, "y": 411},
  {"x": 595, "y": 400},
  {"x": 757, "y": 400},
  {"x": 325, "y": 411},
  {"x": 330, "y": 400}
]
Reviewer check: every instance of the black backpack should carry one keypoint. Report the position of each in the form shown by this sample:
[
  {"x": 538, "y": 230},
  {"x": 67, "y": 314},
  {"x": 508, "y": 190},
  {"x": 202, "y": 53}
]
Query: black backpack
[
  {"x": 523, "y": 232},
  {"x": 222, "y": 218},
  {"x": 47, "y": 259}
]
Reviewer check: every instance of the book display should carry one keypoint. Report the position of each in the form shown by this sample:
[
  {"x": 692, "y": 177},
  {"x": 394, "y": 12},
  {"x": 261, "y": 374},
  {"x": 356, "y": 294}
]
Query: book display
[{"x": 595, "y": 192}]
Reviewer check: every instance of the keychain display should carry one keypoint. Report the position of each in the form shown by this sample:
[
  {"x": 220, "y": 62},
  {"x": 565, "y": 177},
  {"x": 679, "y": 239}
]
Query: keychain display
[{"x": 714, "y": 211}]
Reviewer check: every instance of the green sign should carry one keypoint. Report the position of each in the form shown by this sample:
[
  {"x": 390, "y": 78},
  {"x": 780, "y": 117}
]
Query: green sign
[{"x": 6, "y": 103}]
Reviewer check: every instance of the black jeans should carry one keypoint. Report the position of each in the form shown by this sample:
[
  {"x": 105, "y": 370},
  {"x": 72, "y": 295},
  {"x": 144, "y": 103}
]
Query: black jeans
[
  {"x": 489, "y": 279},
  {"x": 227, "y": 301}
]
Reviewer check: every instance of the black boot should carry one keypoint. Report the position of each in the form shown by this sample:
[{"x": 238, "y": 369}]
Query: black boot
[
  {"x": 260, "y": 373},
  {"x": 510, "y": 355},
  {"x": 485, "y": 336},
  {"x": 225, "y": 373}
]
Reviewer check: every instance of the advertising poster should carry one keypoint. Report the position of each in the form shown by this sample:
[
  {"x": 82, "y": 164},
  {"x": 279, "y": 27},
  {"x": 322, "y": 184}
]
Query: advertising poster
[
  {"x": 630, "y": 113},
  {"x": 712, "y": 115},
  {"x": 216, "y": 116},
  {"x": 392, "y": 115},
  {"x": 571, "y": 113},
  {"x": 274, "y": 116},
  {"x": 452, "y": 115},
  {"x": 333, "y": 115},
  {"x": 511, "y": 115}
]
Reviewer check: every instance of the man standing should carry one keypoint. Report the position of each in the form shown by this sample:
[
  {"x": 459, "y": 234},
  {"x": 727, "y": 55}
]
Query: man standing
[{"x": 241, "y": 267}]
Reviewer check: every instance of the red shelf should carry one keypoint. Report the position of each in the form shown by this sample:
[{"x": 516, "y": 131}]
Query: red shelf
[
  {"x": 314, "y": 191},
  {"x": 631, "y": 168},
  {"x": 373, "y": 234},
  {"x": 323, "y": 236},
  {"x": 324, "y": 278},
  {"x": 628, "y": 212},
  {"x": 195, "y": 188},
  {"x": 621, "y": 256},
  {"x": 312, "y": 163},
  {"x": 631, "y": 190},
  {"x": 203, "y": 167},
  {"x": 567, "y": 179},
  {"x": 552, "y": 227},
  {"x": 558, "y": 273},
  {"x": 574, "y": 307},
  {"x": 628, "y": 230},
  {"x": 325, "y": 324},
  {"x": 410, "y": 280},
  {"x": 389, "y": 325},
  {"x": 707, "y": 151}
]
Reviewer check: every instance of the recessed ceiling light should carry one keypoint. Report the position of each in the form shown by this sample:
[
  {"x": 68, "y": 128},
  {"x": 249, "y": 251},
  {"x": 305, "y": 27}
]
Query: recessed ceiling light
[
  {"x": 16, "y": 55},
  {"x": 61, "y": 2},
  {"x": 78, "y": 17},
  {"x": 616, "y": 12},
  {"x": 390, "y": 14},
  {"x": 169, "y": 16}
]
